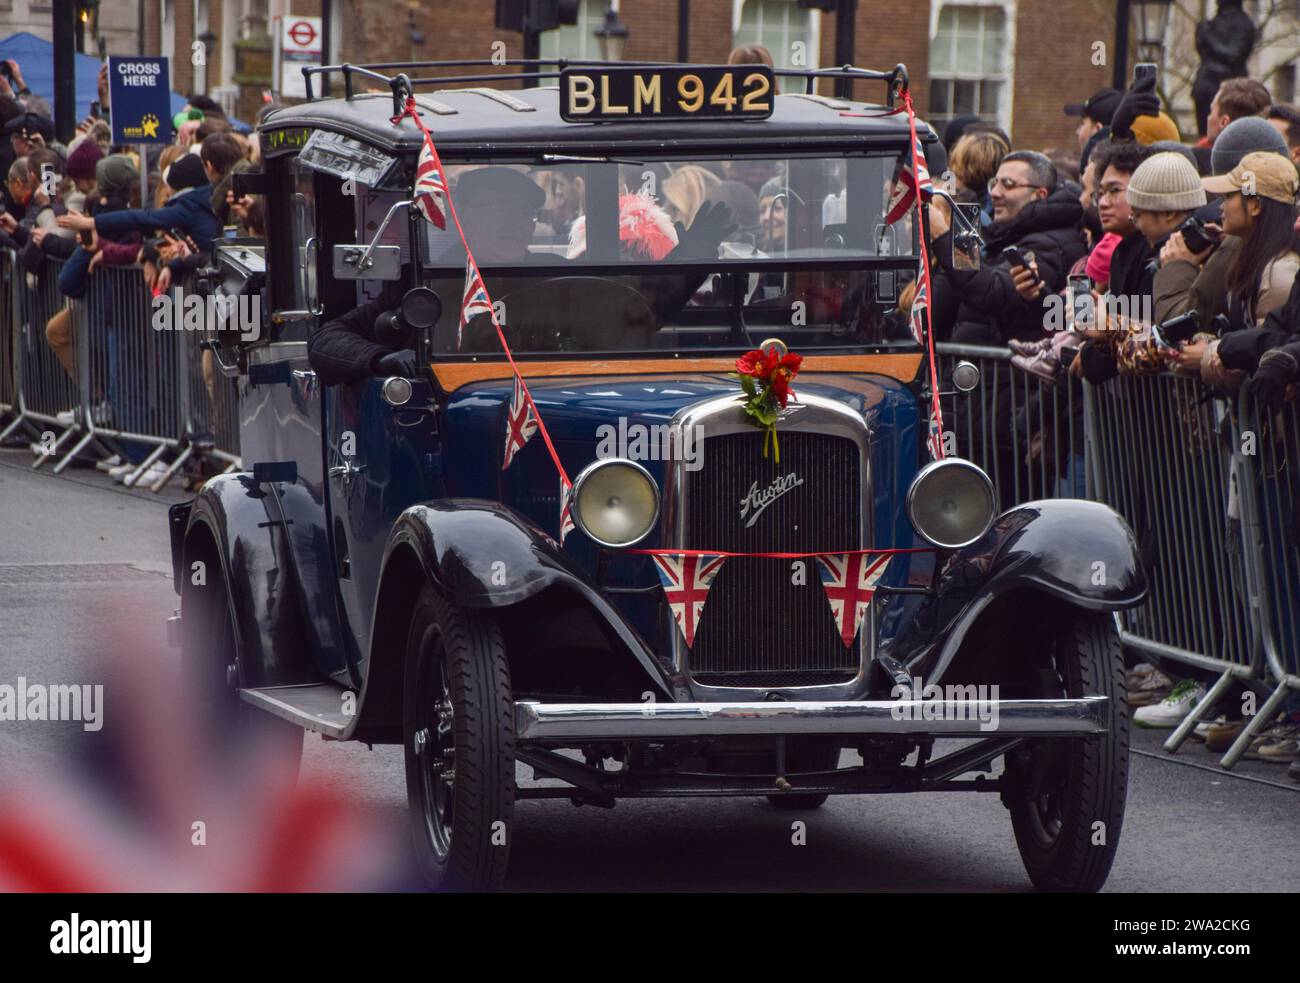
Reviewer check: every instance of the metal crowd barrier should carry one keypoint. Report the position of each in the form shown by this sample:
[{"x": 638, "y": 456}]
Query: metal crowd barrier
[
  {"x": 1212, "y": 501},
  {"x": 131, "y": 390}
]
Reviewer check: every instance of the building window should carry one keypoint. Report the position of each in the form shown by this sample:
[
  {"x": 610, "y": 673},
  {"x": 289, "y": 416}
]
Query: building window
[
  {"x": 1284, "y": 83},
  {"x": 968, "y": 63},
  {"x": 784, "y": 29},
  {"x": 577, "y": 41}
]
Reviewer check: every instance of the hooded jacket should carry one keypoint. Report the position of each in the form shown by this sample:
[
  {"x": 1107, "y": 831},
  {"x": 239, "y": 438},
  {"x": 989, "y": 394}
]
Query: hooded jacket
[
  {"x": 991, "y": 312},
  {"x": 189, "y": 210}
]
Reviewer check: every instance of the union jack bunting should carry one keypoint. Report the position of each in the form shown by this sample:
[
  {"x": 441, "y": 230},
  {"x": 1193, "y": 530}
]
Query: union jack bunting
[
  {"x": 920, "y": 302},
  {"x": 913, "y": 174},
  {"x": 566, "y": 509},
  {"x": 520, "y": 423},
  {"x": 430, "y": 192},
  {"x": 475, "y": 300},
  {"x": 686, "y": 581},
  {"x": 849, "y": 580}
]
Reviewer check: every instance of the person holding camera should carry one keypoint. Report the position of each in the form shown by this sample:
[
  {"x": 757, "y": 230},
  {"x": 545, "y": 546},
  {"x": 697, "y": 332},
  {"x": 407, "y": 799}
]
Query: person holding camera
[{"x": 1259, "y": 210}]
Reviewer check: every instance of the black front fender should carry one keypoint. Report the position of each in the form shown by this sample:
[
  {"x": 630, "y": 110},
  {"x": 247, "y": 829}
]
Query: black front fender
[
  {"x": 481, "y": 554},
  {"x": 236, "y": 519},
  {"x": 1079, "y": 552}
]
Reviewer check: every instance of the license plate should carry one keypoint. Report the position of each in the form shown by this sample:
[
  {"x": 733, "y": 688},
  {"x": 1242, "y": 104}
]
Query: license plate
[{"x": 688, "y": 93}]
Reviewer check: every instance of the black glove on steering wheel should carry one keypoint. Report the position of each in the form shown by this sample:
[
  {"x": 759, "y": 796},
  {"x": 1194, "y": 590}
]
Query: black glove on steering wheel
[
  {"x": 712, "y": 224},
  {"x": 397, "y": 363}
]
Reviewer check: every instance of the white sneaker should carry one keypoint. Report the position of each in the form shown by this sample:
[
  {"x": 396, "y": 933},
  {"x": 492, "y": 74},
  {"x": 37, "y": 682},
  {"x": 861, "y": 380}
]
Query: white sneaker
[
  {"x": 1173, "y": 708},
  {"x": 108, "y": 464},
  {"x": 66, "y": 418},
  {"x": 152, "y": 474},
  {"x": 1202, "y": 729}
]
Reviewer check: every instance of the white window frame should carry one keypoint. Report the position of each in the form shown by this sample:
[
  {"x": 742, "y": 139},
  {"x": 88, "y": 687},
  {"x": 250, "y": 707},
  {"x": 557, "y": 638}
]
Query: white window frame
[
  {"x": 1006, "y": 102},
  {"x": 549, "y": 46},
  {"x": 814, "y": 33}
]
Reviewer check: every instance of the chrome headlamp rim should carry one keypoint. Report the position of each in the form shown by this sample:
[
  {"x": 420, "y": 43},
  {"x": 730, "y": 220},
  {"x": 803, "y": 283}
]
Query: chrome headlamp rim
[
  {"x": 586, "y": 473},
  {"x": 929, "y": 469}
]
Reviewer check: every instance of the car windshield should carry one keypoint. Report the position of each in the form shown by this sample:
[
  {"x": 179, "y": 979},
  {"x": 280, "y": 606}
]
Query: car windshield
[{"x": 597, "y": 255}]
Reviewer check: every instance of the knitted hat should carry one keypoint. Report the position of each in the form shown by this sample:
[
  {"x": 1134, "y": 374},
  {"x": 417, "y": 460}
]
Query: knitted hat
[
  {"x": 115, "y": 172},
  {"x": 82, "y": 160},
  {"x": 1241, "y": 137},
  {"x": 1165, "y": 183},
  {"x": 185, "y": 172},
  {"x": 1151, "y": 129},
  {"x": 1173, "y": 146}
]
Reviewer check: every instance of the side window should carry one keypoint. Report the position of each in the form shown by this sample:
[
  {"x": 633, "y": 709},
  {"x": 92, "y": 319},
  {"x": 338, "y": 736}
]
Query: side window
[{"x": 302, "y": 219}]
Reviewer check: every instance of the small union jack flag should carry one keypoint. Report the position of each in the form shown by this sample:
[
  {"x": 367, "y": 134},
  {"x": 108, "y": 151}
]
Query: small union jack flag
[
  {"x": 566, "y": 509},
  {"x": 914, "y": 174},
  {"x": 430, "y": 192},
  {"x": 849, "y": 580},
  {"x": 934, "y": 438},
  {"x": 920, "y": 303},
  {"x": 475, "y": 300},
  {"x": 520, "y": 423},
  {"x": 686, "y": 581}
]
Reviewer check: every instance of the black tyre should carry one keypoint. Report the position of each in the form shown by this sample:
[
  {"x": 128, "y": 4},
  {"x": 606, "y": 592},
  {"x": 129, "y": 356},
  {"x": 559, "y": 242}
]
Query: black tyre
[
  {"x": 1067, "y": 795},
  {"x": 805, "y": 755},
  {"x": 213, "y": 674},
  {"x": 459, "y": 736}
]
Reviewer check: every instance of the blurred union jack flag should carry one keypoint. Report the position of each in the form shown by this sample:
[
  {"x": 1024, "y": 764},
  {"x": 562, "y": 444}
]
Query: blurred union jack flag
[
  {"x": 920, "y": 302},
  {"x": 520, "y": 423},
  {"x": 475, "y": 301},
  {"x": 686, "y": 581},
  {"x": 849, "y": 580},
  {"x": 430, "y": 192},
  {"x": 913, "y": 174}
]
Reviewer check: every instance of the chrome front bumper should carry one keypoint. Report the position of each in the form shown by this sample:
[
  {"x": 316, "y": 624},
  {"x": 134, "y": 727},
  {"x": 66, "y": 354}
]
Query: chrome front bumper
[{"x": 654, "y": 721}]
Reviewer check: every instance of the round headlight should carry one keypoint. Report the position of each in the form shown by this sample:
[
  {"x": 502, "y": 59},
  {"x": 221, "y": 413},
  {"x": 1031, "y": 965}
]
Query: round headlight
[
  {"x": 615, "y": 502},
  {"x": 951, "y": 503}
]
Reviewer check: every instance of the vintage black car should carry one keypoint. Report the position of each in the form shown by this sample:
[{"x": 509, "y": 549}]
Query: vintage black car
[{"x": 376, "y": 574}]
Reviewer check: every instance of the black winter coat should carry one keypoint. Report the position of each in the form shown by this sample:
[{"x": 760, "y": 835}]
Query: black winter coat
[{"x": 991, "y": 312}]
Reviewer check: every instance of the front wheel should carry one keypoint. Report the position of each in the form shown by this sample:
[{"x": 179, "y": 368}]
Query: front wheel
[
  {"x": 1067, "y": 795},
  {"x": 459, "y": 737}
]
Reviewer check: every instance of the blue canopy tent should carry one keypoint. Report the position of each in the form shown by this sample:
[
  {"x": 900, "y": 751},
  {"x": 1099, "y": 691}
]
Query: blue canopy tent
[{"x": 36, "y": 59}]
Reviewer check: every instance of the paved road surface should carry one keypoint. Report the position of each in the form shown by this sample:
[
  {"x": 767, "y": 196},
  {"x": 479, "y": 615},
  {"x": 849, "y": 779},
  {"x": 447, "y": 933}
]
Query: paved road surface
[{"x": 82, "y": 562}]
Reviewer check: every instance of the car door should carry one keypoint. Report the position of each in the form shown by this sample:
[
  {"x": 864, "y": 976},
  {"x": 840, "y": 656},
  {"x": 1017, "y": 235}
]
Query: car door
[{"x": 289, "y": 395}]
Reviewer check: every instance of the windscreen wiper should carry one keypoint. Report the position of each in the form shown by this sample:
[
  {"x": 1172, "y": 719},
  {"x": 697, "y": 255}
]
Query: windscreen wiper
[{"x": 574, "y": 159}]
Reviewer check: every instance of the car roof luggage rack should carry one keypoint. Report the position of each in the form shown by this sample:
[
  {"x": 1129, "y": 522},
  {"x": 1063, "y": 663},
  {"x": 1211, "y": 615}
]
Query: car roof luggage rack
[{"x": 403, "y": 84}]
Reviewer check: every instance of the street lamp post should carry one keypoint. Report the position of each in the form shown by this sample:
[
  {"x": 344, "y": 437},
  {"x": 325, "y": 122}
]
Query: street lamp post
[
  {"x": 207, "y": 39},
  {"x": 611, "y": 36},
  {"x": 1153, "y": 22}
]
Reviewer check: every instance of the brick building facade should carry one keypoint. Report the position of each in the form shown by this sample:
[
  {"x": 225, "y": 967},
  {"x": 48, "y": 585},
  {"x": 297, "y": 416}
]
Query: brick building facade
[{"x": 1013, "y": 61}]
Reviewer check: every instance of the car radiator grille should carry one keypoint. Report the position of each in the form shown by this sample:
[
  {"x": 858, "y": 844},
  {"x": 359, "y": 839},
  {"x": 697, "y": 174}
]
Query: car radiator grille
[{"x": 759, "y": 628}]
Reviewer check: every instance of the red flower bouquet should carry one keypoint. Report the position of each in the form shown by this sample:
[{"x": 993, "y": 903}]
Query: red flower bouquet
[{"x": 765, "y": 376}]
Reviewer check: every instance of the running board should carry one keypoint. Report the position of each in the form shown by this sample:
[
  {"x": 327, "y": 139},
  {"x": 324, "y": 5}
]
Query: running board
[{"x": 316, "y": 707}]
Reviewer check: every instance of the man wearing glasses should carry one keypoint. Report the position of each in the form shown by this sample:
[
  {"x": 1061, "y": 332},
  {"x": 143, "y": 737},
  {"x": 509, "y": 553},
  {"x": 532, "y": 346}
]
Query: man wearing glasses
[{"x": 1034, "y": 219}]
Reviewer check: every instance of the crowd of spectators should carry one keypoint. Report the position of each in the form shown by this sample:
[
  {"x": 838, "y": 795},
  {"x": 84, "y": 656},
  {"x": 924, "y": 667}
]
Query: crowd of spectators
[
  {"x": 1139, "y": 239},
  {"x": 86, "y": 205}
]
